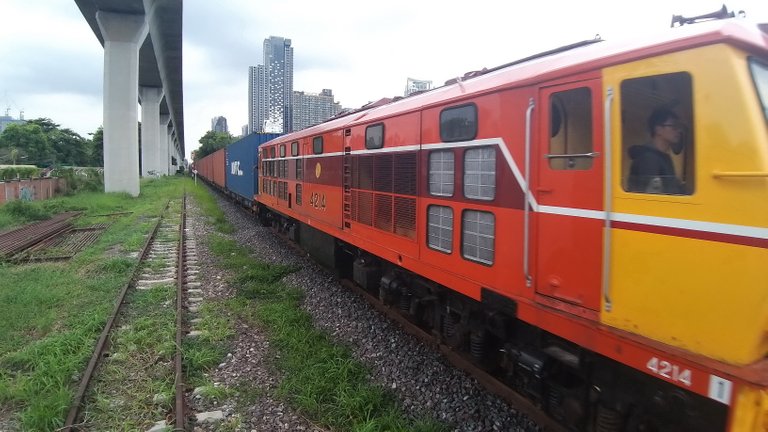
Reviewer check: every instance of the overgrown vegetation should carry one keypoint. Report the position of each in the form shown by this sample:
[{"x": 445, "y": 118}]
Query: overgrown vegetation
[
  {"x": 320, "y": 378},
  {"x": 51, "y": 314},
  {"x": 43, "y": 143},
  {"x": 135, "y": 385},
  {"x": 81, "y": 180},
  {"x": 21, "y": 172}
]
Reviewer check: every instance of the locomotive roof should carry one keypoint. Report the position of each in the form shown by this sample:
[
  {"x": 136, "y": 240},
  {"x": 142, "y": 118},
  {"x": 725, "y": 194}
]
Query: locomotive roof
[{"x": 742, "y": 33}]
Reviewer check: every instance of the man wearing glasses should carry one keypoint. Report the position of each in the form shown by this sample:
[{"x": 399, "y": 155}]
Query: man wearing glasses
[{"x": 652, "y": 170}]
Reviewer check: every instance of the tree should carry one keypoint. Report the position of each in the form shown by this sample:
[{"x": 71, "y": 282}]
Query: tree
[
  {"x": 29, "y": 139},
  {"x": 69, "y": 147},
  {"x": 212, "y": 141},
  {"x": 97, "y": 148},
  {"x": 46, "y": 124}
]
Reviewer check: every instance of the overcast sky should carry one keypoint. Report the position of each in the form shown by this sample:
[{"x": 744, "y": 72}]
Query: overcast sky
[{"x": 51, "y": 64}]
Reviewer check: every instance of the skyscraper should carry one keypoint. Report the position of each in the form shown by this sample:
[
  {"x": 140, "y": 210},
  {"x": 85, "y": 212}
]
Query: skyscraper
[
  {"x": 219, "y": 124},
  {"x": 270, "y": 88},
  {"x": 415, "y": 85},
  {"x": 310, "y": 109}
]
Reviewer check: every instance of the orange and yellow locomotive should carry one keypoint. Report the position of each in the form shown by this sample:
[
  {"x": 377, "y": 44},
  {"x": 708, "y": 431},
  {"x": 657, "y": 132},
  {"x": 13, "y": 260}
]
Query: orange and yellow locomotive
[{"x": 591, "y": 223}]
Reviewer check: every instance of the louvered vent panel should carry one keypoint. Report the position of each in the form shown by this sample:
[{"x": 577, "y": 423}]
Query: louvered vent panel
[
  {"x": 405, "y": 217},
  {"x": 405, "y": 174},
  {"x": 383, "y": 208},
  {"x": 362, "y": 172},
  {"x": 382, "y": 168},
  {"x": 354, "y": 165},
  {"x": 362, "y": 206}
]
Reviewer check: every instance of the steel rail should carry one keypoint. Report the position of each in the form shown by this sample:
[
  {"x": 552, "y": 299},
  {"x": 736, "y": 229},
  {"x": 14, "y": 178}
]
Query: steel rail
[
  {"x": 488, "y": 381},
  {"x": 179, "y": 378},
  {"x": 19, "y": 239},
  {"x": 98, "y": 352}
]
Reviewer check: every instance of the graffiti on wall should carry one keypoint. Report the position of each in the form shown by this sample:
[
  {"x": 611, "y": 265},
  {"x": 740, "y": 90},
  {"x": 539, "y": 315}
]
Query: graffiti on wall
[{"x": 26, "y": 193}]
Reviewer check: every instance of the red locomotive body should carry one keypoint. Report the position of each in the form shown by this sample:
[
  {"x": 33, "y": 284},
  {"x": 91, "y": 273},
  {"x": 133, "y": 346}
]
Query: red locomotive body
[{"x": 488, "y": 210}]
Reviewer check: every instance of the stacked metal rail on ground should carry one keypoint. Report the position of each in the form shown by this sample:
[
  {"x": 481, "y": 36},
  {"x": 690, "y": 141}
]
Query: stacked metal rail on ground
[{"x": 17, "y": 240}]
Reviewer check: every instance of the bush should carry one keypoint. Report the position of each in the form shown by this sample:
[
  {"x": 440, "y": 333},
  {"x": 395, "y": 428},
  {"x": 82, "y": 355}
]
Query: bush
[
  {"x": 81, "y": 180},
  {"x": 13, "y": 172},
  {"x": 24, "y": 210}
]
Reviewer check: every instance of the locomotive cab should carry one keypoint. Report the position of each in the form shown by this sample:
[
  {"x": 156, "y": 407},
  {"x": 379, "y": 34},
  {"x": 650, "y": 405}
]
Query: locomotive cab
[{"x": 687, "y": 264}]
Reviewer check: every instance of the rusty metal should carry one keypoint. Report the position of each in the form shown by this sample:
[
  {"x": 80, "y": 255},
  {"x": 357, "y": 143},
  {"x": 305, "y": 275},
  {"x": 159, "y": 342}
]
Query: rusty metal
[
  {"x": 115, "y": 213},
  {"x": 179, "y": 378},
  {"x": 488, "y": 381},
  {"x": 98, "y": 351},
  {"x": 16, "y": 240},
  {"x": 62, "y": 246}
]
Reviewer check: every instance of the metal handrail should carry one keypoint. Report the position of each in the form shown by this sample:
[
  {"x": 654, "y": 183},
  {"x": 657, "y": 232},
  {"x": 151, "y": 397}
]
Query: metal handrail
[
  {"x": 608, "y": 203},
  {"x": 526, "y": 214},
  {"x": 572, "y": 155}
]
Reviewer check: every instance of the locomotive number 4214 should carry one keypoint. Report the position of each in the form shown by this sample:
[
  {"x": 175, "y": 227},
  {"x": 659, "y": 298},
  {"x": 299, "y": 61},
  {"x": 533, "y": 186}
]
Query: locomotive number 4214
[
  {"x": 317, "y": 200},
  {"x": 669, "y": 371}
]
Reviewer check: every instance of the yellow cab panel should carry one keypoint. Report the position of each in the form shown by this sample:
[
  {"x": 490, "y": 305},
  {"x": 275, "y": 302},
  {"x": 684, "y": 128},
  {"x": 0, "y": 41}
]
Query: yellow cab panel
[{"x": 688, "y": 266}]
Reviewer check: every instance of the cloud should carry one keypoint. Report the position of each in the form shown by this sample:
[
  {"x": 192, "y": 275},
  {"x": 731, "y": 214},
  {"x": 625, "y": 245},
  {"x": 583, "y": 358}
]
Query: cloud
[{"x": 51, "y": 62}]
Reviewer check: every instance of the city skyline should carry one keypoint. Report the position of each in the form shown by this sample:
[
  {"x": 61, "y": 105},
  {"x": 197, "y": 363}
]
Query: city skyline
[
  {"x": 219, "y": 124},
  {"x": 270, "y": 88},
  {"x": 53, "y": 64}
]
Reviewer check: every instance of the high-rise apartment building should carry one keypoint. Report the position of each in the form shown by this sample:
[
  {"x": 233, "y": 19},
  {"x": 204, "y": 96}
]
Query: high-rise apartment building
[
  {"x": 270, "y": 88},
  {"x": 219, "y": 124},
  {"x": 6, "y": 120},
  {"x": 310, "y": 109},
  {"x": 415, "y": 85}
]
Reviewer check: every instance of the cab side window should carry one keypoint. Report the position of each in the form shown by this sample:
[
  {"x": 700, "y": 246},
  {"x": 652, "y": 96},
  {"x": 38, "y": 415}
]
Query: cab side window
[
  {"x": 657, "y": 134},
  {"x": 570, "y": 139}
]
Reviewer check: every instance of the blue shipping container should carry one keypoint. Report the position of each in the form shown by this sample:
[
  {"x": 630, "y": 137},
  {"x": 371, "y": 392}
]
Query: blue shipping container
[{"x": 243, "y": 164}]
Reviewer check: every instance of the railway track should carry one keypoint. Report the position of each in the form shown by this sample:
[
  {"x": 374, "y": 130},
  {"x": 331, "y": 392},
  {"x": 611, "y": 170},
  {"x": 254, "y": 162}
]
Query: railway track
[
  {"x": 167, "y": 260},
  {"x": 459, "y": 360}
]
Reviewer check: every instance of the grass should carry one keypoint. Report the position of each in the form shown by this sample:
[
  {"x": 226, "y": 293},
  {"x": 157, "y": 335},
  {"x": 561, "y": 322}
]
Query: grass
[
  {"x": 320, "y": 378},
  {"x": 135, "y": 384},
  {"x": 51, "y": 314}
]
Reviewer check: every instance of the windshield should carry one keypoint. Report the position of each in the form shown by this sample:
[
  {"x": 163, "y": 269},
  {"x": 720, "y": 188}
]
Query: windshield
[{"x": 760, "y": 76}]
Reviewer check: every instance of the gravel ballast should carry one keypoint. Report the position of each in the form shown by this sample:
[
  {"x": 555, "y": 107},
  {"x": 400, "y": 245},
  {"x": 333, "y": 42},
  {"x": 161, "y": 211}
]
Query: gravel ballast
[{"x": 425, "y": 385}]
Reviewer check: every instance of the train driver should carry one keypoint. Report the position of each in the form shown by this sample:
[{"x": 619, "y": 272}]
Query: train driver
[{"x": 652, "y": 170}]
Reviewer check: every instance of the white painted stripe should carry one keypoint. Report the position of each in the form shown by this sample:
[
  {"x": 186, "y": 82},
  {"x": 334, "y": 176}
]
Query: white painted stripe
[
  {"x": 570, "y": 211},
  {"x": 721, "y": 228},
  {"x": 387, "y": 150},
  {"x": 458, "y": 144},
  {"x": 713, "y": 227},
  {"x": 312, "y": 156},
  {"x": 504, "y": 150}
]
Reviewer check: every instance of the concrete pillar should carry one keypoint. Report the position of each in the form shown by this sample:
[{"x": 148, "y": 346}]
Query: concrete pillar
[
  {"x": 123, "y": 35},
  {"x": 171, "y": 152},
  {"x": 161, "y": 152},
  {"x": 167, "y": 153},
  {"x": 150, "y": 129}
]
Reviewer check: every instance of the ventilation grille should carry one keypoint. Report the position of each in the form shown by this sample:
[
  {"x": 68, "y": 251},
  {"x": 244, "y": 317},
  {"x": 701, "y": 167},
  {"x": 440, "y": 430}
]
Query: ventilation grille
[
  {"x": 405, "y": 217},
  {"x": 385, "y": 174},
  {"x": 362, "y": 172},
  {"x": 405, "y": 174},
  {"x": 362, "y": 206},
  {"x": 383, "y": 209},
  {"x": 382, "y": 170}
]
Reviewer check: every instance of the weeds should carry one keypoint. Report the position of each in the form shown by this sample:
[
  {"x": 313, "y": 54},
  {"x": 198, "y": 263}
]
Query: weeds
[
  {"x": 320, "y": 378},
  {"x": 51, "y": 314}
]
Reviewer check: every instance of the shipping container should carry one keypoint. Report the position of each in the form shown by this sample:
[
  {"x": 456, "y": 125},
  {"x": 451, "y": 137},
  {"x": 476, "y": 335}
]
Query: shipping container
[
  {"x": 242, "y": 165},
  {"x": 218, "y": 166}
]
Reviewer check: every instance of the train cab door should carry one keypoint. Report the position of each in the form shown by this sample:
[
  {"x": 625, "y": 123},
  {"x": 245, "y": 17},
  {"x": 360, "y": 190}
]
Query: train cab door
[{"x": 569, "y": 192}]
